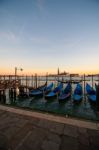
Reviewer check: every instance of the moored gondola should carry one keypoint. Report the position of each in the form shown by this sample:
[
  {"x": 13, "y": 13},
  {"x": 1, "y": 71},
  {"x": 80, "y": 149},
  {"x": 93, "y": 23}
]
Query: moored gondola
[
  {"x": 91, "y": 93},
  {"x": 40, "y": 91},
  {"x": 65, "y": 94},
  {"x": 77, "y": 96},
  {"x": 55, "y": 92}
]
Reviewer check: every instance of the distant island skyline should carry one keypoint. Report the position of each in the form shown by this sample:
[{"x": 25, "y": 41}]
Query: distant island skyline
[{"x": 58, "y": 71}]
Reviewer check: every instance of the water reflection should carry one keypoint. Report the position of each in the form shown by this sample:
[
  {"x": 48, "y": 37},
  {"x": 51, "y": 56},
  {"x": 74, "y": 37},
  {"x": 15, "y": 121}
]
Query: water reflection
[{"x": 81, "y": 110}]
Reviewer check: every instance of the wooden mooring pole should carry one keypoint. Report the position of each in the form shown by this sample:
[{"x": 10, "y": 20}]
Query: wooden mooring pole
[
  {"x": 84, "y": 89},
  {"x": 98, "y": 79},
  {"x": 26, "y": 83},
  {"x": 92, "y": 81},
  {"x": 71, "y": 88},
  {"x": 46, "y": 77},
  {"x": 35, "y": 80},
  {"x": 97, "y": 97},
  {"x": 32, "y": 81},
  {"x": 2, "y": 96}
]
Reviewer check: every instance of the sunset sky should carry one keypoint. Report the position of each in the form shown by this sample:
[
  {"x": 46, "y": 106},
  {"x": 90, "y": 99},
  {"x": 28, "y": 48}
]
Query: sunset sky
[{"x": 42, "y": 35}]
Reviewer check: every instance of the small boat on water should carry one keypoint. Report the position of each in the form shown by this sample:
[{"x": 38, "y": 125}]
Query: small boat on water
[
  {"x": 77, "y": 96},
  {"x": 41, "y": 90},
  {"x": 65, "y": 94},
  {"x": 55, "y": 92},
  {"x": 91, "y": 93}
]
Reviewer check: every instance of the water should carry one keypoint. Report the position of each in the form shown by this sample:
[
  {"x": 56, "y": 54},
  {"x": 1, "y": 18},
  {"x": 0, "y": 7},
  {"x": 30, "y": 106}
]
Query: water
[{"x": 82, "y": 110}]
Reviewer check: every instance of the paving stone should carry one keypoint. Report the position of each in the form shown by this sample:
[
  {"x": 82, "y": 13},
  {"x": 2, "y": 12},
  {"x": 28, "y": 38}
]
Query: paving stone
[
  {"x": 71, "y": 131},
  {"x": 84, "y": 147},
  {"x": 21, "y": 123},
  {"x": 94, "y": 138},
  {"x": 83, "y": 136},
  {"x": 19, "y": 116},
  {"x": 94, "y": 141},
  {"x": 69, "y": 143},
  {"x": 52, "y": 126},
  {"x": 98, "y": 126},
  {"x": 3, "y": 116},
  {"x": 93, "y": 133},
  {"x": 4, "y": 127},
  {"x": 56, "y": 127},
  {"x": 34, "y": 121},
  {"x": 1, "y": 112},
  {"x": 23, "y": 148},
  {"x": 44, "y": 124},
  {"x": 14, "y": 115},
  {"x": 53, "y": 137},
  {"x": 37, "y": 136},
  {"x": 3, "y": 142},
  {"x": 83, "y": 140},
  {"x": 34, "y": 140},
  {"x": 50, "y": 145},
  {"x": 5, "y": 122},
  {"x": 10, "y": 132},
  {"x": 20, "y": 135},
  {"x": 94, "y": 147},
  {"x": 82, "y": 130},
  {"x": 22, "y": 132}
]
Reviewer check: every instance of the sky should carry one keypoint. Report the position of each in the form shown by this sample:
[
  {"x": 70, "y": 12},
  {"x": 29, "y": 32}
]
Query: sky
[{"x": 41, "y": 36}]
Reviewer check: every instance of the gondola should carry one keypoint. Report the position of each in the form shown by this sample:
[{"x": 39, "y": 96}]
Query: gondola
[
  {"x": 91, "y": 93},
  {"x": 40, "y": 91},
  {"x": 55, "y": 92},
  {"x": 65, "y": 94},
  {"x": 77, "y": 96}
]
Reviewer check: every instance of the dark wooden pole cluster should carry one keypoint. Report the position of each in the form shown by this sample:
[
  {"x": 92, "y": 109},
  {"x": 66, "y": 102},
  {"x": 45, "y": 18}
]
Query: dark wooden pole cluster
[
  {"x": 2, "y": 96},
  {"x": 12, "y": 93}
]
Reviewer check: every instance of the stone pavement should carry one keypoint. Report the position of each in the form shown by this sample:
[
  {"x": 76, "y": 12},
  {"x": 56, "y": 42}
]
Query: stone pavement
[{"x": 24, "y": 130}]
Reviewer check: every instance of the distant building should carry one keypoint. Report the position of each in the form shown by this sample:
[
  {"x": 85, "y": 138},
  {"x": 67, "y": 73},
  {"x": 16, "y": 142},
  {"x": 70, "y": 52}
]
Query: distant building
[
  {"x": 74, "y": 75},
  {"x": 63, "y": 73}
]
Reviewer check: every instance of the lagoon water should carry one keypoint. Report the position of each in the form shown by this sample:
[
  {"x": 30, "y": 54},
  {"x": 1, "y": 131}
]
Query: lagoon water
[{"x": 82, "y": 110}]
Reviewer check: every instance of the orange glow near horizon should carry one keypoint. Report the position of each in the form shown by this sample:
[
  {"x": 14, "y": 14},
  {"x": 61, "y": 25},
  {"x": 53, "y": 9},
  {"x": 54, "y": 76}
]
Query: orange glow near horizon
[{"x": 44, "y": 72}]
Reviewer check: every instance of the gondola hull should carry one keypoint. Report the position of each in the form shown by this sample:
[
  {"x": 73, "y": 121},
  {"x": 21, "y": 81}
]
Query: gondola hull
[
  {"x": 64, "y": 95},
  {"x": 77, "y": 96},
  {"x": 55, "y": 92},
  {"x": 39, "y": 92},
  {"x": 91, "y": 93}
]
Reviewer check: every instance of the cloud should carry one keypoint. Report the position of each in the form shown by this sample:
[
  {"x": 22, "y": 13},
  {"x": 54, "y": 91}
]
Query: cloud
[{"x": 9, "y": 36}]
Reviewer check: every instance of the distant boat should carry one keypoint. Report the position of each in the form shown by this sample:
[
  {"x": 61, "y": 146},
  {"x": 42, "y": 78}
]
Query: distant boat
[
  {"x": 77, "y": 96},
  {"x": 91, "y": 93},
  {"x": 41, "y": 90},
  {"x": 69, "y": 81},
  {"x": 65, "y": 94},
  {"x": 55, "y": 92}
]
